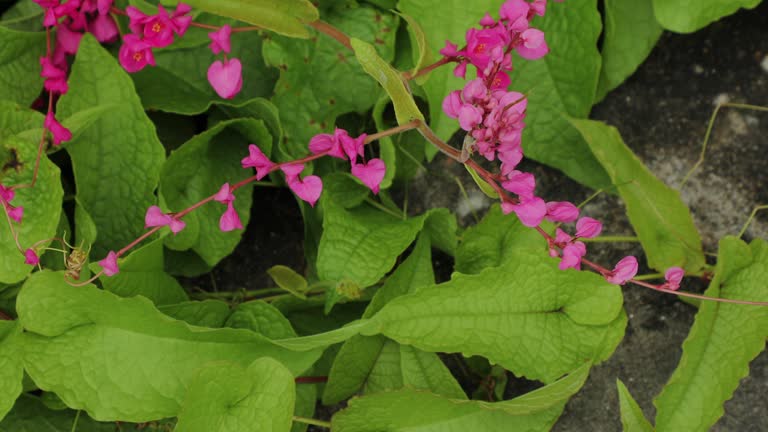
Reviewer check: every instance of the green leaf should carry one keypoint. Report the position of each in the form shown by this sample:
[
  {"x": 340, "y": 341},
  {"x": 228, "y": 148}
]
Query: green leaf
[
  {"x": 11, "y": 367},
  {"x": 198, "y": 169},
  {"x": 15, "y": 118},
  {"x": 723, "y": 340},
  {"x": 415, "y": 411},
  {"x": 286, "y": 17},
  {"x": 260, "y": 109},
  {"x": 31, "y": 415},
  {"x": 20, "y": 53},
  {"x": 132, "y": 362},
  {"x": 632, "y": 417},
  {"x": 116, "y": 160},
  {"x": 287, "y": 279},
  {"x": 42, "y": 205},
  {"x": 487, "y": 189},
  {"x": 389, "y": 78},
  {"x": 262, "y": 318},
  {"x": 141, "y": 273},
  {"x": 375, "y": 363},
  {"x": 662, "y": 221},
  {"x": 179, "y": 82},
  {"x": 23, "y": 15},
  {"x": 422, "y": 55},
  {"x": 206, "y": 313},
  {"x": 344, "y": 190},
  {"x": 227, "y": 397},
  {"x": 525, "y": 315},
  {"x": 493, "y": 241},
  {"x": 362, "y": 244},
  {"x": 631, "y": 32},
  {"x": 686, "y": 16},
  {"x": 308, "y": 93}
]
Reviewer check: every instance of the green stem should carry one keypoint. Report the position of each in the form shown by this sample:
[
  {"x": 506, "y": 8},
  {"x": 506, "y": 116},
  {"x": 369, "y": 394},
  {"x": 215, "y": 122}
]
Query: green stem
[
  {"x": 313, "y": 422},
  {"x": 649, "y": 276},
  {"x": 383, "y": 208},
  {"x": 611, "y": 239},
  {"x": 74, "y": 424},
  {"x": 752, "y": 216}
]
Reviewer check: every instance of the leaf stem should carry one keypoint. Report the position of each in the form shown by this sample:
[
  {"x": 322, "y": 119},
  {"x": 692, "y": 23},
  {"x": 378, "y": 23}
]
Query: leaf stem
[
  {"x": 426, "y": 69},
  {"x": 313, "y": 422},
  {"x": 74, "y": 423},
  {"x": 325, "y": 28}
]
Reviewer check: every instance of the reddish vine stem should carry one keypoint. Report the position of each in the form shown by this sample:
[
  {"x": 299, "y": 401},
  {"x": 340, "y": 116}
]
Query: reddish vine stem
[
  {"x": 427, "y": 69},
  {"x": 5, "y": 317},
  {"x": 311, "y": 379},
  {"x": 325, "y": 28}
]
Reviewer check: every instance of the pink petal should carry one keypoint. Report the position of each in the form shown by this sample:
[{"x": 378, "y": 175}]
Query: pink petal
[
  {"x": 220, "y": 39},
  {"x": 292, "y": 171},
  {"x": 30, "y": 257},
  {"x": 68, "y": 39},
  {"x": 625, "y": 270},
  {"x": 673, "y": 276},
  {"x": 487, "y": 20},
  {"x": 562, "y": 211},
  {"x": 104, "y": 28},
  {"x": 452, "y": 103},
  {"x": 587, "y": 227},
  {"x": 371, "y": 173},
  {"x": 224, "y": 195},
  {"x": 322, "y": 143},
  {"x": 450, "y": 49},
  {"x": 109, "y": 264},
  {"x": 230, "y": 220},
  {"x": 59, "y": 132},
  {"x": 520, "y": 183},
  {"x": 308, "y": 189},
  {"x": 512, "y": 10},
  {"x": 469, "y": 117},
  {"x": 155, "y": 217},
  {"x": 562, "y": 237},
  {"x": 572, "y": 254},
  {"x": 460, "y": 70},
  {"x": 353, "y": 147},
  {"x": 531, "y": 211},
  {"x": 6, "y": 194},
  {"x": 177, "y": 225},
  {"x": 226, "y": 78},
  {"x": 534, "y": 46},
  {"x": 257, "y": 159},
  {"x": 15, "y": 213}
]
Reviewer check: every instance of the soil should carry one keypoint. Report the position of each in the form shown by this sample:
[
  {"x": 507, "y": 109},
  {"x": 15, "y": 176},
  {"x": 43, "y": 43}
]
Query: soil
[{"x": 662, "y": 112}]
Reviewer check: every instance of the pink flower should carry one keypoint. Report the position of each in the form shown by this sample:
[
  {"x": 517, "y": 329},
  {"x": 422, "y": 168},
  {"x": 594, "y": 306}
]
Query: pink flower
[
  {"x": 625, "y": 270},
  {"x": 68, "y": 39},
  {"x": 257, "y": 159},
  {"x": 158, "y": 29},
  {"x": 587, "y": 227},
  {"x": 353, "y": 147},
  {"x": 180, "y": 18},
  {"x": 371, "y": 173},
  {"x": 6, "y": 194},
  {"x": 460, "y": 70},
  {"x": 230, "y": 220},
  {"x": 322, "y": 143},
  {"x": 15, "y": 213},
  {"x": 572, "y": 255},
  {"x": 530, "y": 211},
  {"x": 510, "y": 159},
  {"x": 103, "y": 6},
  {"x": 224, "y": 195},
  {"x": 482, "y": 43},
  {"x": 135, "y": 54},
  {"x": 155, "y": 217},
  {"x": 136, "y": 18},
  {"x": 109, "y": 264},
  {"x": 520, "y": 183},
  {"x": 562, "y": 238},
  {"x": 50, "y": 18},
  {"x": 469, "y": 117},
  {"x": 562, "y": 211},
  {"x": 487, "y": 20},
  {"x": 516, "y": 12},
  {"x": 500, "y": 81},
  {"x": 534, "y": 46},
  {"x": 673, "y": 277},
  {"x": 226, "y": 78},
  {"x": 104, "y": 28},
  {"x": 308, "y": 189},
  {"x": 220, "y": 39},
  {"x": 55, "y": 78},
  {"x": 59, "y": 132},
  {"x": 30, "y": 257},
  {"x": 474, "y": 91},
  {"x": 452, "y": 103},
  {"x": 450, "y": 49}
]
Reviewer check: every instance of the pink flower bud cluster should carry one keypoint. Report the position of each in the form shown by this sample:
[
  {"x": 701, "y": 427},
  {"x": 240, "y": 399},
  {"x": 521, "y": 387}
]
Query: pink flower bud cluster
[
  {"x": 151, "y": 31},
  {"x": 307, "y": 188},
  {"x": 340, "y": 145},
  {"x": 7, "y": 195}
]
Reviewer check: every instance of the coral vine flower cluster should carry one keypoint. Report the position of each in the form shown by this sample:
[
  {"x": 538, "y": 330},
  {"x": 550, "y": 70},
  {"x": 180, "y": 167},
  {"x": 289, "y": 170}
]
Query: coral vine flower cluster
[{"x": 494, "y": 119}]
